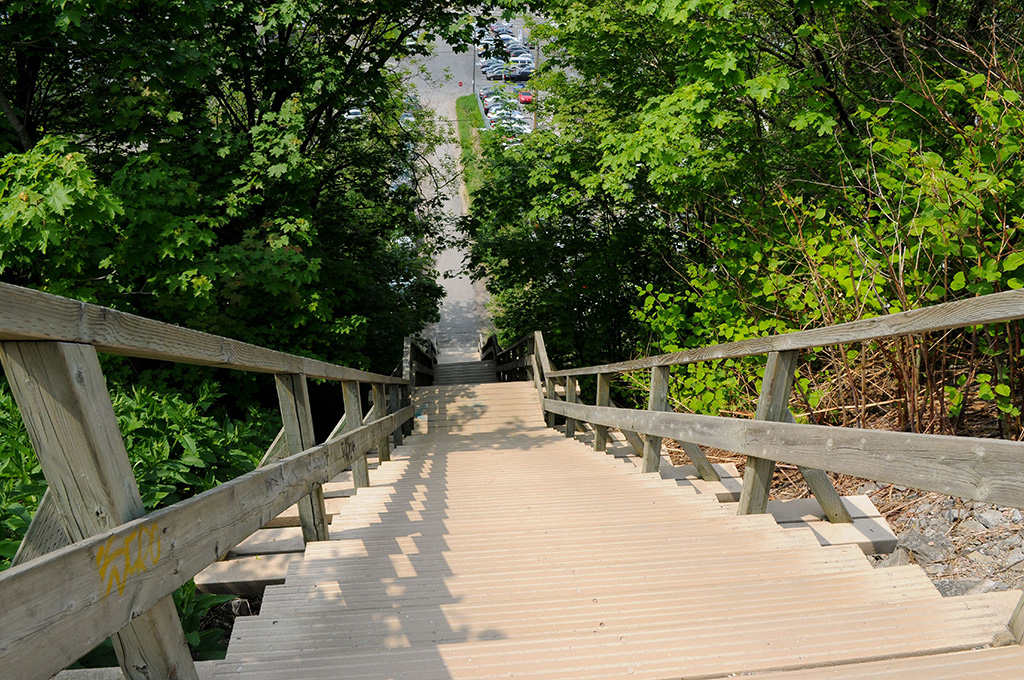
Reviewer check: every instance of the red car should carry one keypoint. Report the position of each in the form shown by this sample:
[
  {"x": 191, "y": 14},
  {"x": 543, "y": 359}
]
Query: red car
[{"x": 525, "y": 97}]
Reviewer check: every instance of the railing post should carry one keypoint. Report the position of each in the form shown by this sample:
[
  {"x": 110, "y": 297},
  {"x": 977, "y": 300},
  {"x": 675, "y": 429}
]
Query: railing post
[
  {"x": 570, "y": 397},
  {"x": 604, "y": 384},
  {"x": 658, "y": 402},
  {"x": 406, "y": 398},
  {"x": 380, "y": 410},
  {"x": 297, "y": 418},
  {"x": 395, "y": 400},
  {"x": 354, "y": 419},
  {"x": 772, "y": 404},
  {"x": 63, "y": 399}
]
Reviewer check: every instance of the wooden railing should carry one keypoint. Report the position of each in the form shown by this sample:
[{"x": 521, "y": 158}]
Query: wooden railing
[
  {"x": 988, "y": 470},
  {"x": 93, "y": 565}
]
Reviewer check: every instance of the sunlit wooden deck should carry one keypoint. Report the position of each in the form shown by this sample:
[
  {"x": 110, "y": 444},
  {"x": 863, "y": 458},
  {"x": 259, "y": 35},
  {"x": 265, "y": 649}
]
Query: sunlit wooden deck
[{"x": 492, "y": 546}]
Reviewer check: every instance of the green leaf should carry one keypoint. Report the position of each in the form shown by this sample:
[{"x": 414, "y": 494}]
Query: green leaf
[{"x": 1013, "y": 261}]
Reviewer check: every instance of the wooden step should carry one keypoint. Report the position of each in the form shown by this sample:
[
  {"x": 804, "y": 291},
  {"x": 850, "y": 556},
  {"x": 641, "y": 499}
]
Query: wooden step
[
  {"x": 515, "y": 551},
  {"x": 245, "y": 575}
]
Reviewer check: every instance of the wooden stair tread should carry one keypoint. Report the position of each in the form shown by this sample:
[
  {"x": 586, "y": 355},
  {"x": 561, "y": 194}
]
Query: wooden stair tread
[{"x": 521, "y": 552}]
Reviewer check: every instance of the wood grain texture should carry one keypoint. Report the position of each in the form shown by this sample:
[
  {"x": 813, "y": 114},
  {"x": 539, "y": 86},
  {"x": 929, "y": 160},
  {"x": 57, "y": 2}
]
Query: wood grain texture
[
  {"x": 704, "y": 467},
  {"x": 603, "y": 398},
  {"x": 297, "y": 420},
  {"x": 657, "y": 401},
  {"x": 975, "y": 311},
  {"x": 45, "y": 533},
  {"x": 33, "y": 315},
  {"x": 353, "y": 419},
  {"x": 773, "y": 405},
  {"x": 58, "y": 607},
  {"x": 988, "y": 470},
  {"x": 395, "y": 404},
  {"x": 380, "y": 409},
  {"x": 64, "y": 403},
  {"x": 571, "y": 397}
]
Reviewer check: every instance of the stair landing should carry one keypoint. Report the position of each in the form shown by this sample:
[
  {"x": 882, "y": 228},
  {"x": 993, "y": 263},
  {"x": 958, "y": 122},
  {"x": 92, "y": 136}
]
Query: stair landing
[{"x": 508, "y": 550}]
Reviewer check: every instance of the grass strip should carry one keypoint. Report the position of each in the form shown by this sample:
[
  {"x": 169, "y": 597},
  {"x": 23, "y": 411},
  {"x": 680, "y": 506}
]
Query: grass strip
[{"x": 470, "y": 120}]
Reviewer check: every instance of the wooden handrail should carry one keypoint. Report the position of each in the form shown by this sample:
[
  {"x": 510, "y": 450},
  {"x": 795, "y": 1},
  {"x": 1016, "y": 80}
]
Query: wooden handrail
[
  {"x": 60, "y": 606},
  {"x": 27, "y": 314},
  {"x": 977, "y": 311},
  {"x": 988, "y": 470},
  {"x": 108, "y": 569}
]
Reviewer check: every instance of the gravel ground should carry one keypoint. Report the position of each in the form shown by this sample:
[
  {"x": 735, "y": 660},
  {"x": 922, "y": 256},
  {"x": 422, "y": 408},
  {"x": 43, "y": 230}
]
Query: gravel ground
[{"x": 963, "y": 546}]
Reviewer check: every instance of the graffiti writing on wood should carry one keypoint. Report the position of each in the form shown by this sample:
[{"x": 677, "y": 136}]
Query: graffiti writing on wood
[{"x": 122, "y": 556}]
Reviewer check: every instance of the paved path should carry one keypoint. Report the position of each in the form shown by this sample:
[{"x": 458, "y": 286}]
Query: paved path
[{"x": 463, "y": 312}]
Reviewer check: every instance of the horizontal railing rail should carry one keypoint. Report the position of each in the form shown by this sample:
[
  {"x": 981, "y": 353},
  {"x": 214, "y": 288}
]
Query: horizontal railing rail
[
  {"x": 33, "y": 315},
  {"x": 92, "y": 564},
  {"x": 60, "y": 606},
  {"x": 979, "y": 311},
  {"x": 987, "y": 470}
]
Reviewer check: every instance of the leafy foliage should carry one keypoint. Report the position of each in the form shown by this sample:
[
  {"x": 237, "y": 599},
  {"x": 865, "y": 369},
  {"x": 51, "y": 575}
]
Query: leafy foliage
[{"x": 815, "y": 163}]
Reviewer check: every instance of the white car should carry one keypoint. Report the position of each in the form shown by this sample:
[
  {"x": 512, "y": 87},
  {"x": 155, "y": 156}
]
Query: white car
[{"x": 353, "y": 114}]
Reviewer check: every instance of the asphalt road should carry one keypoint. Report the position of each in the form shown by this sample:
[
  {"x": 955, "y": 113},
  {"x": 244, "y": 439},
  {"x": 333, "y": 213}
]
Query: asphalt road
[{"x": 463, "y": 312}]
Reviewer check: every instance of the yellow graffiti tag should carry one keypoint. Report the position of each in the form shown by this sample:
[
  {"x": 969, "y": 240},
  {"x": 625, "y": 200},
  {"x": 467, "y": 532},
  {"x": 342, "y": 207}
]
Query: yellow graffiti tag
[{"x": 118, "y": 561}]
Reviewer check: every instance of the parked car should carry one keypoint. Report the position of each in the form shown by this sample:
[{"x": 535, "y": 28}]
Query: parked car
[
  {"x": 353, "y": 114},
  {"x": 519, "y": 75},
  {"x": 525, "y": 96}
]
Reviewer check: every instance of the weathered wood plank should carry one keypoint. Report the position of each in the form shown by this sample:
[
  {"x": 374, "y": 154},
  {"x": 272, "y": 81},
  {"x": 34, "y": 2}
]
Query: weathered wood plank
[
  {"x": 514, "y": 365},
  {"x": 67, "y": 412},
  {"x": 988, "y": 470},
  {"x": 353, "y": 419},
  {"x": 703, "y": 466},
  {"x": 633, "y": 438},
  {"x": 422, "y": 369},
  {"x": 395, "y": 403},
  {"x": 380, "y": 409},
  {"x": 45, "y": 533},
  {"x": 571, "y": 397},
  {"x": 604, "y": 383},
  {"x": 772, "y": 404},
  {"x": 657, "y": 401},
  {"x": 33, "y": 315},
  {"x": 975, "y": 311},
  {"x": 297, "y": 418},
  {"x": 38, "y": 634},
  {"x": 277, "y": 449}
]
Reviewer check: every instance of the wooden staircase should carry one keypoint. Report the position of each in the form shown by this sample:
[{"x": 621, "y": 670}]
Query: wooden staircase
[
  {"x": 466, "y": 372},
  {"x": 492, "y": 546}
]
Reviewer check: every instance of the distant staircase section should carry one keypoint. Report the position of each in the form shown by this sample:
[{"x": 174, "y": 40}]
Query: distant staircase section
[{"x": 465, "y": 373}]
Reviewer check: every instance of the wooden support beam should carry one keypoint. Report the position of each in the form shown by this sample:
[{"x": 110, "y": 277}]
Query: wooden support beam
[
  {"x": 822, "y": 489},
  {"x": 658, "y": 401},
  {"x": 773, "y": 405},
  {"x": 1016, "y": 624},
  {"x": 704, "y": 467},
  {"x": 986, "y": 470},
  {"x": 406, "y": 400},
  {"x": 380, "y": 409},
  {"x": 77, "y": 601},
  {"x": 63, "y": 399},
  {"x": 297, "y": 418},
  {"x": 570, "y": 396},
  {"x": 45, "y": 532},
  {"x": 604, "y": 384},
  {"x": 395, "y": 399},
  {"x": 354, "y": 419}
]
